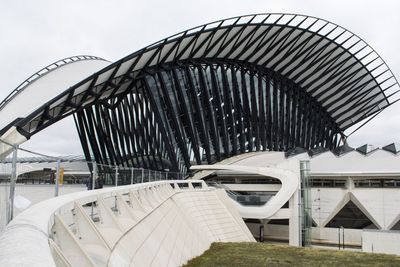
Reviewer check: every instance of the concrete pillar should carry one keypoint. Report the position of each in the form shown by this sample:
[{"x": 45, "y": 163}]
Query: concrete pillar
[
  {"x": 295, "y": 220},
  {"x": 350, "y": 183},
  {"x": 295, "y": 207}
]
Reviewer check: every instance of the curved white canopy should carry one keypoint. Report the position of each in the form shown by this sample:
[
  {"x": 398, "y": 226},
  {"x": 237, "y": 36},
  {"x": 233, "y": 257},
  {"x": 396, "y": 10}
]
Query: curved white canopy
[
  {"x": 45, "y": 87},
  {"x": 338, "y": 69}
]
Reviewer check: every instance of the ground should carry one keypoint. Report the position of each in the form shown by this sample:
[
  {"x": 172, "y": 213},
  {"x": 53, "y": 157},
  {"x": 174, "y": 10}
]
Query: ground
[{"x": 263, "y": 254}]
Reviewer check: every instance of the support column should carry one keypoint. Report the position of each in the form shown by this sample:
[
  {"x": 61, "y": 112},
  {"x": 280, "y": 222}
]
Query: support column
[
  {"x": 57, "y": 181},
  {"x": 294, "y": 220},
  {"x": 10, "y": 206},
  {"x": 116, "y": 176},
  {"x": 295, "y": 215},
  {"x": 94, "y": 174}
]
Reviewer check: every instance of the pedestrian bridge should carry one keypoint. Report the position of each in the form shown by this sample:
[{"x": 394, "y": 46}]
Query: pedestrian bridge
[{"x": 163, "y": 223}]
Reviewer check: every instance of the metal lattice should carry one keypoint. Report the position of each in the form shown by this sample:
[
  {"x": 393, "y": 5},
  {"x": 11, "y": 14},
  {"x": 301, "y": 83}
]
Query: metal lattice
[
  {"x": 324, "y": 79},
  {"x": 197, "y": 112}
]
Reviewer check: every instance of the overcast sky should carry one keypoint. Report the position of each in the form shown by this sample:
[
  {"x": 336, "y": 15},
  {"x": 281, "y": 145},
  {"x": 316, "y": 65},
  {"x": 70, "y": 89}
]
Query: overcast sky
[{"x": 36, "y": 33}]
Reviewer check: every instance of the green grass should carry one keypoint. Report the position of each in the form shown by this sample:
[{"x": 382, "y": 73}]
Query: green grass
[{"x": 262, "y": 254}]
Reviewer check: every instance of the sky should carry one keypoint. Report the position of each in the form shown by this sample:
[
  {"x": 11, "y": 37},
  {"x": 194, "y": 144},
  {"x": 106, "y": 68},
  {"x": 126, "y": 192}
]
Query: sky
[{"x": 36, "y": 33}]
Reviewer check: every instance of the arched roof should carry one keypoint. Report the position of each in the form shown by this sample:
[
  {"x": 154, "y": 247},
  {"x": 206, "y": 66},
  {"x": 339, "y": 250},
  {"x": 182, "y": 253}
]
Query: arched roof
[
  {"x": 46, "y": 84},
  {"x": 20, "y": 88},
  {"x": 336, "y": 67}
]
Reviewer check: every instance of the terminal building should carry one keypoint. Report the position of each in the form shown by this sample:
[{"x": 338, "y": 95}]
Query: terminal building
[{"x": 259, "y": 106}]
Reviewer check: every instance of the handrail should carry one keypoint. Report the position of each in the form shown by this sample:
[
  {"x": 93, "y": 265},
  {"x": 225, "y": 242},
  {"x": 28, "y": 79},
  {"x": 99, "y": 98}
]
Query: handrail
[
  {"x": 25, "y": 240},
  {"x": 262, "y": 199},
  {"x": 227, "y": 189}
]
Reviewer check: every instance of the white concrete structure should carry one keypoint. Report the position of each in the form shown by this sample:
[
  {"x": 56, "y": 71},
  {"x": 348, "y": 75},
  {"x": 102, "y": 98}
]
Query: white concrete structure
[
  {"x": 381, "y": 241},
  {"x": 288, "y": 174},
  {"x": 355, "y": 190},
  {"x": 367, "y": 183},
  {"x": 370, "y": 181},
  {"x": 152, "y": 224},
  {"x": 41, "y": 87}
]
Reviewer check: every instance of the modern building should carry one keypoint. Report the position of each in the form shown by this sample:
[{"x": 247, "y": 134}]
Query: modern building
[
  {"x": 269, "y": 82},
  {"x": 234, "y": 102},
  {"x": 350, "y": 191}
]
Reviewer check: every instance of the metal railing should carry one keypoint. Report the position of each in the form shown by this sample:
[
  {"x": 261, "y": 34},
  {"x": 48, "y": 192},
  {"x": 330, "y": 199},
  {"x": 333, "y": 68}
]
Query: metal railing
[
  {"x": 52, "y": 174},
  {"x": 40, "y": 220},
  {"x": 245, "y": 200}
]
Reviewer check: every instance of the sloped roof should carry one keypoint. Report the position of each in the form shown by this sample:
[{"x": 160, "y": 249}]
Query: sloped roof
[
  {"x": 367, "y": 148},
  {"x": 393, "y": 147},
  {"x": 377, "y": 161}
]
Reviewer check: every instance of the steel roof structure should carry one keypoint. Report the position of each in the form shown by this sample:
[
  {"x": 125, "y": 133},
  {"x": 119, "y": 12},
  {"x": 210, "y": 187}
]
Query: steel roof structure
[
  {"x": 257, "y": 82},
  {"x": 42, "y": 72},
  {"x": 44, "y": 85}
]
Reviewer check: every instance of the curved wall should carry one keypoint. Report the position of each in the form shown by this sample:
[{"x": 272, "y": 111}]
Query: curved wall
[{"x": 153, "y": 224}]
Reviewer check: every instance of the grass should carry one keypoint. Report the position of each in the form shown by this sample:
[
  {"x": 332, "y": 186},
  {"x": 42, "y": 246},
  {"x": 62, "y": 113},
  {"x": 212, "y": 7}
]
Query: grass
[{"x": 263, "y": 254}]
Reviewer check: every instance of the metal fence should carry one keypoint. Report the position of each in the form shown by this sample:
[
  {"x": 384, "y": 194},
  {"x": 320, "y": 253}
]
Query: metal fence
[
  {"x": 106, "y": 175},
  {"x": 7, "y": 186},
  {"x": 305, "y": 204},
  {"x": 19, "y": 178}
]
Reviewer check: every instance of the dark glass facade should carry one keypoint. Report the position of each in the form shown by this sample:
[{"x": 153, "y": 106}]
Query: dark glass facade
[{"x": 201, "y": 112}]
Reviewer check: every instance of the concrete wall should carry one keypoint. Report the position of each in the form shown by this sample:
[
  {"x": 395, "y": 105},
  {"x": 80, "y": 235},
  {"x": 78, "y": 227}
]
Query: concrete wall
[
  {"x": 381, "y": 204},
  {"x": 330, "y": 236},
  {"x": 320, "y": 236},
  {"x": 151, "y": 224},
  {"x": 381, "y": 241},
  {"x": 181, "y": 228},
  {"x": 271, "y": 231}
]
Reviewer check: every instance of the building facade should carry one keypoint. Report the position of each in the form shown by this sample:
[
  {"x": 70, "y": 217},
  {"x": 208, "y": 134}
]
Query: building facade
[
  {"x": 248, "y": 89},
  {"x": 268, "y": 82}
]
